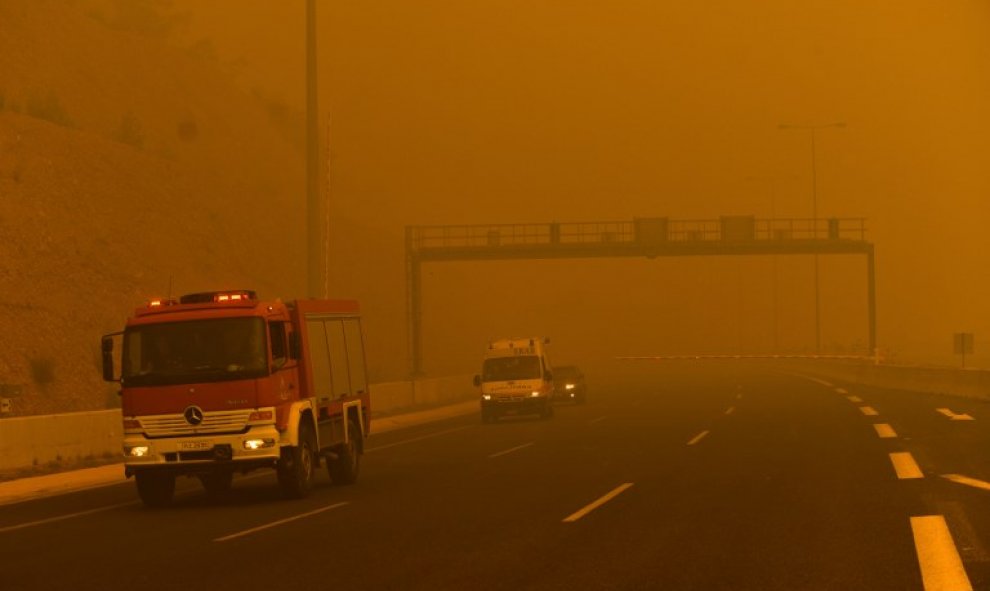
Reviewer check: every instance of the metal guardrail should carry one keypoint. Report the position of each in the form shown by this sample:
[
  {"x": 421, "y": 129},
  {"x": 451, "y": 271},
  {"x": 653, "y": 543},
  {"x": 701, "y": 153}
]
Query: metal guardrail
[{"x": 642, "y": 230}]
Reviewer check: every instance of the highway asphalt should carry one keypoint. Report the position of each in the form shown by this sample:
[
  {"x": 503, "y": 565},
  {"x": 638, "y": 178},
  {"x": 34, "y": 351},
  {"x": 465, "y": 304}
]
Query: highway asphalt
[{"x": 681, "y": 475}]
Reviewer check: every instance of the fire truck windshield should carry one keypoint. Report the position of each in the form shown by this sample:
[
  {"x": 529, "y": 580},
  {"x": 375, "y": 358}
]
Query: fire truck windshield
[{"x": 195, "y": 351}]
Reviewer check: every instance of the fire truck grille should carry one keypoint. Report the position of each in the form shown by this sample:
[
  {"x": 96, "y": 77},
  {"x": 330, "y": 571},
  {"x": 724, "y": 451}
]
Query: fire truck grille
[{"x": 232, "y": 421}]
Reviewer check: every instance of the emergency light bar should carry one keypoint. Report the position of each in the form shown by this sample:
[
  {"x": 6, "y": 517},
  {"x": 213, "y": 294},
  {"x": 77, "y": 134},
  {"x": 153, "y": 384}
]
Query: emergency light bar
[{"x": 206, "y": 297}]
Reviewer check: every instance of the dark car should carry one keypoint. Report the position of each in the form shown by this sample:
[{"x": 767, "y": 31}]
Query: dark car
[{"x": 568, "y": 384}]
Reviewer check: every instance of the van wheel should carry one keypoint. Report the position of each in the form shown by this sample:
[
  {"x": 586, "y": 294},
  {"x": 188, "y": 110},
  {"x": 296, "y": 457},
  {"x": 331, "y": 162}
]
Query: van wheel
[
  {"x": 344, "y": 470},
  {"x": 155, "y": 489},
  {"x": 295, "y": 466}
]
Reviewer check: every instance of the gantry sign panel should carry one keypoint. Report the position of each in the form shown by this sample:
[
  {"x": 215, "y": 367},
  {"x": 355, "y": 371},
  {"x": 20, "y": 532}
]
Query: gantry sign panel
[{"x": 641, "y": 237}]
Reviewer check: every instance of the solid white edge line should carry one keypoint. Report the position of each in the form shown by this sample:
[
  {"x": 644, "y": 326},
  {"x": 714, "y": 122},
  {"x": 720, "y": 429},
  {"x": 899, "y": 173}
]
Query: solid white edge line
[
  {"x": 941, "y": 567},
  {"x": 596, "y": 504},
  {"x": 960, "y": 479},
  {"x": 415, "y": 439},
  {"x": 66, "y": 516},
  {"x": 511, "y": 449},
  {"x": 905, "y": 466},
  {"x": 698, "y": 438},
  {"x": 279, "y": 522}
]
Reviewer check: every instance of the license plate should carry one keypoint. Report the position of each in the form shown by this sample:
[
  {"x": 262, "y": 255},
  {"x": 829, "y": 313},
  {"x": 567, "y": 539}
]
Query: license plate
[{"x": 196, "y": 445}]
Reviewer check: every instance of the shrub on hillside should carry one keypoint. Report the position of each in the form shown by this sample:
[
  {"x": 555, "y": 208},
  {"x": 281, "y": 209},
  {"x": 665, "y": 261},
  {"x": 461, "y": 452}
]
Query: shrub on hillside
[
  {"x": 187, "y": 129},
  {"x": 42, "y": 370},
  {"x": 47, "y": 107},
  {"x": 129, "y": 131}
]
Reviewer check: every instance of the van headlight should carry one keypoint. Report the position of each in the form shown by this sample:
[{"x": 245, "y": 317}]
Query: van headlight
[
  {"x": 569, "y": 387},
  {"x": 486, "y": 396},
  {"x": 535, "y": 394}
]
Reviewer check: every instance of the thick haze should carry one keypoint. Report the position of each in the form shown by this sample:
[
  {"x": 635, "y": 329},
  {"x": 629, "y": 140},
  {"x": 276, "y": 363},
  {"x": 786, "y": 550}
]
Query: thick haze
[{"x": 452, "y": 112}]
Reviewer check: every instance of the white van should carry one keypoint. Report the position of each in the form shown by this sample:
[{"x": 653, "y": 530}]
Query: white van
[{"x": 516, "y": 378}]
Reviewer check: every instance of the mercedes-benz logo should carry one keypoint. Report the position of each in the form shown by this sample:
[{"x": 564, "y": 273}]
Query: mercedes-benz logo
[{"x": 194, "y": 415}]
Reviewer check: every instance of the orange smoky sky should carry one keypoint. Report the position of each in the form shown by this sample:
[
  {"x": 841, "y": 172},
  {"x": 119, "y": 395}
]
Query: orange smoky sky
[{"x": 452, "y": 112}]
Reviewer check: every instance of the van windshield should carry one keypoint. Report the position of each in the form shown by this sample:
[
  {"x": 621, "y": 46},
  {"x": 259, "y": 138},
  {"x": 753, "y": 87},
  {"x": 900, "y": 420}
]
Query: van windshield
[{"x": 500, "y": 369}]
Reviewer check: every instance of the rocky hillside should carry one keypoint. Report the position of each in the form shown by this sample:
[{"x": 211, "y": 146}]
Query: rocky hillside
[{"x": 127, "y": 163}]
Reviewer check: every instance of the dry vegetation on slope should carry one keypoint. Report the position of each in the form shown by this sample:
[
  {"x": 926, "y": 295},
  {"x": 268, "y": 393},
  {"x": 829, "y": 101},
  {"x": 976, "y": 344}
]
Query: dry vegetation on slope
[{"x": 125, "y": 163}]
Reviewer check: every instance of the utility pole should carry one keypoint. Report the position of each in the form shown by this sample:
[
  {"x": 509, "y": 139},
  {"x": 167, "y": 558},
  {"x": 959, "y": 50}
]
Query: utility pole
[
  {"x": 315, "y": 262},
  {"x": 814, "y": 219}
]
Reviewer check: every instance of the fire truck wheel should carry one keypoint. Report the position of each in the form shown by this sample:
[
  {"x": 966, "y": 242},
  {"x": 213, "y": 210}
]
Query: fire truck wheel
[
  {"x": 216, "y": 483},
  {"x": 155, "y": 490},
  {"x": 295, "y": 467},
  {"x": 344, "y": 470}
]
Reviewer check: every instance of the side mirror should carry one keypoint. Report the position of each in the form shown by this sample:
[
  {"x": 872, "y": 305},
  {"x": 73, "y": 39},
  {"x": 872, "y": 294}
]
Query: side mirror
[
  {"x": 106, "y": 348},
  {"x": 477, "y": 381}
]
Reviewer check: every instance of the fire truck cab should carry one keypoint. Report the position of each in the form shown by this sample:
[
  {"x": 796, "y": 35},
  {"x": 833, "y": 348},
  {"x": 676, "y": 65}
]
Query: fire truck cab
[{"x": 218, "y": 383}]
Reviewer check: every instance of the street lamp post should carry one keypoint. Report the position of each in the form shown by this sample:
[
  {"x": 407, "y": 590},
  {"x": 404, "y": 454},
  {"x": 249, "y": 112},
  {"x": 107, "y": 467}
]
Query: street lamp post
[{"x": 814, "y": 216}]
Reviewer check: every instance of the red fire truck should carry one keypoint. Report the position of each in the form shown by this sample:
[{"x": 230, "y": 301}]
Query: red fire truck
[{"x": 218, "y": 383}]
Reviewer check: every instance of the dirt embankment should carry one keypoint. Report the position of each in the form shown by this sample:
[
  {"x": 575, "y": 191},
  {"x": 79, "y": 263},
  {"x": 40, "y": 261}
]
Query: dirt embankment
[{"x": 126, "y": 164}]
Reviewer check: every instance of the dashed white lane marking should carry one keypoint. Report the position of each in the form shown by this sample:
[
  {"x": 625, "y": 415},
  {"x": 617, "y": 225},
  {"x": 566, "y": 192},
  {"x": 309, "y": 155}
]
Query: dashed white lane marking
[
  {"x": 738, "y": 396},
  {"x": 959, "y": 479},
  {"x": 868, "y": 411},
  {"x": 941, "y": 567},
  {"x": 822, "y": 382},
  {"x": 884, "y": 431},
  {"x": 66, "y": 516},
  {"x": 415, "y": 439},
  {"x": 730, "y": 410},
  {"x": 905, "y": 466},
  {"x": 279, "y": 522},
  {"x": 698, "y": 438},
  {"x": 841, "y": 391},
  {"x": 953, "y": 416},
  {"x": 855, "y": 399},
  {"x": 601, "y": 501},
  {"x": 598, "y": 420},
  {"x": 511, "y": 449}
]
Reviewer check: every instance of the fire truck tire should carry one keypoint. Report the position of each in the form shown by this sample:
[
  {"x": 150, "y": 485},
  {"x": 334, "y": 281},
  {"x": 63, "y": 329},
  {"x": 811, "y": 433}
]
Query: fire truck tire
[
  {"x": 295, "y": 467},
  {"x": 344, "y": 469},
  {"x": 216, "y": 483},
  {"x": 155, "y": 489}
]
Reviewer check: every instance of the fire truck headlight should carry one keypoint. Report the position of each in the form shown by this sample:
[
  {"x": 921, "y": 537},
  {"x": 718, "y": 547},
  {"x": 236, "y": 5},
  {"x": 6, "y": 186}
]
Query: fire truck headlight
[
  {"x": 136, "y": 451},
  {"x": 255, "y": 444}
]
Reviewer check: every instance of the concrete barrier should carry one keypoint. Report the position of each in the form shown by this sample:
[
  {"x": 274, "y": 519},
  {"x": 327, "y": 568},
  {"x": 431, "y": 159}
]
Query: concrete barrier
[
  {"x": 27, "y": 442},
  {"x": 969, "y": 383}
]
